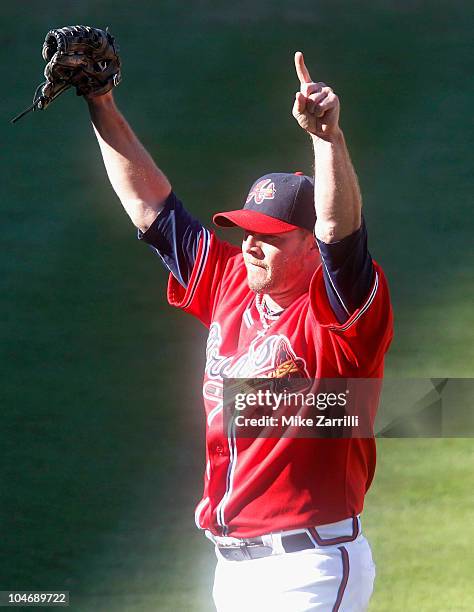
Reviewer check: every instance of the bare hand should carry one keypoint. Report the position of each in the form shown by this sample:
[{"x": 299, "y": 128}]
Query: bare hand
[{"x": 316, "y": 106}]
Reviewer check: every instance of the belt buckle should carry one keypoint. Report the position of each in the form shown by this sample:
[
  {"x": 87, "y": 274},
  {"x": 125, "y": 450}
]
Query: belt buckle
[
  {"x": 234, "y": 552},
  {"x": 245, "y": 551}
]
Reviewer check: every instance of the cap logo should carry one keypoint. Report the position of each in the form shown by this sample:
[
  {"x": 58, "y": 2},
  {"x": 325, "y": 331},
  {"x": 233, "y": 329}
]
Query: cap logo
[{"x": 263, "y": 190}]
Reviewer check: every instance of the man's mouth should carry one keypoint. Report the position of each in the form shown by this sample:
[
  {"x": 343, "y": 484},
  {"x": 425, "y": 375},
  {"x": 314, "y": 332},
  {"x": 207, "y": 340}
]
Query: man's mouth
[{"x": 256, "y": 265}]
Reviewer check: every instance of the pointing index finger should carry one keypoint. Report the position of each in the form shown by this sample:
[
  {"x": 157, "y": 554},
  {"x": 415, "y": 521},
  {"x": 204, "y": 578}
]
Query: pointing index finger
[{"x": 301, "y": 69}]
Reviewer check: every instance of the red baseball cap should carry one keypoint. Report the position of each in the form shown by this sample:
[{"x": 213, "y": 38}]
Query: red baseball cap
[{"x": 276, "y": 203}]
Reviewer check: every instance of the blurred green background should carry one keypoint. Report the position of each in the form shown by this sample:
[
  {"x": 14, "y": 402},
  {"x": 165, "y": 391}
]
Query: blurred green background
[{"x": 102, "y": 432}]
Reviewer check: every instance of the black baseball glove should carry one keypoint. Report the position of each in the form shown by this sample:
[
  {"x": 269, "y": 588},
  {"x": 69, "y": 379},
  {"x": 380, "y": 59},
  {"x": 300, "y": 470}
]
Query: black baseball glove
[{"x": 77, "y": 56}]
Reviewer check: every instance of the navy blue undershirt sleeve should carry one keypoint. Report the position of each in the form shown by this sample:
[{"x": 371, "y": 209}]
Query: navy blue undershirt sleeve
[
  {"x": 174, "y": 236},
  {"x": 347, "y": 265},
  {"x": 348, "y": 272}
]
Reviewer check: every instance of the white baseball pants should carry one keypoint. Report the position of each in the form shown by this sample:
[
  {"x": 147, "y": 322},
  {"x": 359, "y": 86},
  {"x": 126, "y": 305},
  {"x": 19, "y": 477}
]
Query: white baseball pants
[{"x": 335, "y": 578}]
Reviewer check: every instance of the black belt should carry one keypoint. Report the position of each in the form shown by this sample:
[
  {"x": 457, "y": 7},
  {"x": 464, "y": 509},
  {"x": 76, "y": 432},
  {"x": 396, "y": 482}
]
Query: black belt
[{"x": 254, "y": 548}]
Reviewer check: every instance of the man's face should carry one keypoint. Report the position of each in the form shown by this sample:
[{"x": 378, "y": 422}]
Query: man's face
[{"x": 278, "y": 262}]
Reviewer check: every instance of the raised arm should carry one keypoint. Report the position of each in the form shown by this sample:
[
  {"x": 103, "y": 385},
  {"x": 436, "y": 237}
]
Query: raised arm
[
  {"x": 137, "y": 181},
  {"x": 337, "y": 196}
]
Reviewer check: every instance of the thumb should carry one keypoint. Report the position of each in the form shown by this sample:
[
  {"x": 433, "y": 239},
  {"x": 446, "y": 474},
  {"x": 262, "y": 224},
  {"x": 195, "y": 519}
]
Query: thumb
[
  {"x": 299, "y": 108},
  {"x": 300, "y": 103}
]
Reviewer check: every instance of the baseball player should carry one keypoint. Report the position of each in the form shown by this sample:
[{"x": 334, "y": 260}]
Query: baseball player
[{"x": 302, "y": 296}]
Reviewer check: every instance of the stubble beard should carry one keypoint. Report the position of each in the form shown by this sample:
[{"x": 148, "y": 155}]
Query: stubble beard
[{"x": 261, "y": 283}]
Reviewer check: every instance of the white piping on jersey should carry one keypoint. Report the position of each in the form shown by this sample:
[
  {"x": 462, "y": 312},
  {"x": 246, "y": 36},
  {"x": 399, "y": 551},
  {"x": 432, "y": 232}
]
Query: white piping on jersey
[
  {"x": 369, "y": 301},
  {"x": 213, "y": 392},
  {"x": 254, "y": 363},
  {"x": 247, "y": 317},
  {"x": 202, "y": 264},
  {"x": 215, "y": 411},
  {"x": 334, "y": 286},
  {"x": 230, "y": 478},
  {"x": 199, "y": 508}
]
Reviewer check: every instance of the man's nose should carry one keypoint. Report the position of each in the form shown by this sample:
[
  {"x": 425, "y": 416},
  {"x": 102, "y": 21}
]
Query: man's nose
[
  {"x": 251, "y": 244},
  {"x": 249, "y": 239}
]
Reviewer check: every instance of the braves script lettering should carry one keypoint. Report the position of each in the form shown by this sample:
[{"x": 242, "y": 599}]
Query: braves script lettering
[{"x": 267, "y": 357}]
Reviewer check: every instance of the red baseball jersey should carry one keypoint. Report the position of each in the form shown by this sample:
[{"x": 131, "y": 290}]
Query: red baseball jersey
[{"x": 254, "y": 486}]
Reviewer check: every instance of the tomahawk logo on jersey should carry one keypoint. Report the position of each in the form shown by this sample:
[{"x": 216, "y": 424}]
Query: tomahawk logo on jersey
[{"x": 341, "y": 327}]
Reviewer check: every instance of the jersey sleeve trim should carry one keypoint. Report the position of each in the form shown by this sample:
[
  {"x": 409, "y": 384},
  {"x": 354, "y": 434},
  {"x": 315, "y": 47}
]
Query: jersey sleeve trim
[
  {"x": 329, "y": 277},
  {"x": 356, "y": 316},
  {"x": 323, "y": 312},
  {"x": 174, "y": 236},
  {"x": 348, "y": 272},
  {"x": 180, "y": 296}
]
